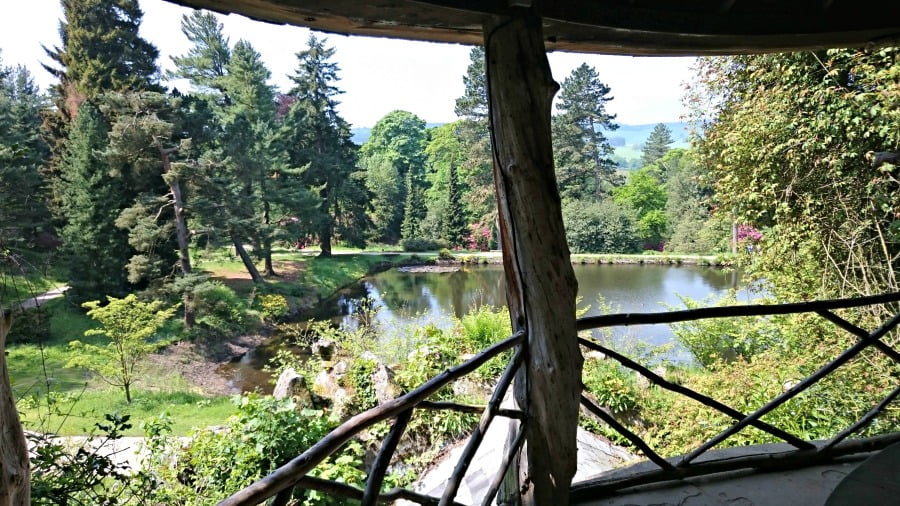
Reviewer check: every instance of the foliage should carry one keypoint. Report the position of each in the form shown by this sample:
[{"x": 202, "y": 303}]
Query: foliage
[
  {"x": 87, "y": 474},
  {"x": 129, "y": 324},
  {"x": 599, "y": 228},
  {"x": 317, "y": 138},
  {"x": 612, "y": 385},
  {"x": 273, "y": 307},
  {"x": 581, "y": 152},
  {"x": 264, "y": 433},
  {"x": 476, "y": 169},
  {"x": 657, "y": 144},
  {"x": 204, "y": 64},
  {"x": 24, "y": 215},
  {"x": 716, "y": 341},
  {"x": 482, "y": 328},
  {"x": 645, "y": 194},
  {"x": 95, "y": 250},
  {"x": 420, "y": 245},
  {"x": 787, "y": 137},
  {"x": 394, "y": 163},
  {"x": 219, "y": 310}
]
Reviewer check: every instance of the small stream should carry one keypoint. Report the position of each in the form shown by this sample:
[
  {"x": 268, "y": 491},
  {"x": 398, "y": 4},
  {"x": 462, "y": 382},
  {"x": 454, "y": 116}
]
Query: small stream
[{"x": 405, "y": 299}]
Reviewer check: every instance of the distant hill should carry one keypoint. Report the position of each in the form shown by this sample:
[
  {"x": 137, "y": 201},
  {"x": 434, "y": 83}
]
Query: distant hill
[{"x": 628, "y": 140}]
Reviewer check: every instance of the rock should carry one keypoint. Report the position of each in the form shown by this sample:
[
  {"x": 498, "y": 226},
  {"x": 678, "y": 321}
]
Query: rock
[
  {"x": 339, "y": 369},
  {"x": 292, "y": 385},
  {"x": 324, "y": 348},
  {"x": 385, "y": 386}
]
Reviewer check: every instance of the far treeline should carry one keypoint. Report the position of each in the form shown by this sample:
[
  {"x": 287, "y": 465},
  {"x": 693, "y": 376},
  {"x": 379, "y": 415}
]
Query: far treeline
[{"x": 124, "y": 178}]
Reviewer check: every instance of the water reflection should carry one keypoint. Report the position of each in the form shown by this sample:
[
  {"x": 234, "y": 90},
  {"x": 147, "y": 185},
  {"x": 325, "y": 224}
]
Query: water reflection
[
  {"x": 410, "y": 300},
  {"x": 416, "y": 298}
]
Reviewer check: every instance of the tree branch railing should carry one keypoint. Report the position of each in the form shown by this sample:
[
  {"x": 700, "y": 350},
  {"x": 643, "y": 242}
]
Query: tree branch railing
[
  {"x": 806, "y": 453},
  {"x": 294, "y": 473},
  {"x": 283, "y": 481}
]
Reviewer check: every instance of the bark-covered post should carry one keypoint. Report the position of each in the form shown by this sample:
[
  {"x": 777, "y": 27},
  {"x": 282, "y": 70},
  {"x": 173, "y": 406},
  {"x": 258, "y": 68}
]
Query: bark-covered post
[
  {"x": 15, "y": 484},
  {"x": 541, "y": 284}
]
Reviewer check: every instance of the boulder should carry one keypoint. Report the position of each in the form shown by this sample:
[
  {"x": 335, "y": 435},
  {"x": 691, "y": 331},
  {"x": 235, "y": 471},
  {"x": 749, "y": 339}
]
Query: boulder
[
  {"x": 324, "y": 348},
  {"x": 386, "y": 388},
  {"x": 292, "y": 385}
]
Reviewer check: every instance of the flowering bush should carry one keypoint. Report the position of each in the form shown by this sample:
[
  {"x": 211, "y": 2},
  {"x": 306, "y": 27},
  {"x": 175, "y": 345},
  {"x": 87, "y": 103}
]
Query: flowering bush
[
  {"x": 479, "y": 237},
  {"x": 748, "y": 233}
]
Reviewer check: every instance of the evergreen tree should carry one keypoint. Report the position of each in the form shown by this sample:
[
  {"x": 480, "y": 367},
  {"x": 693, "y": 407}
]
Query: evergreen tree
[
  {"x": 262, "y": 191},
  {"x": 413, "y": 209},
  {"x": 394, "y": 152},
  {"x": 318, "y": 139},
  {"x": 657, "y": 144},
  {"x": 446, "y": 194},
  {"x": 476, "y": 168},
  {"x": 23, "y": 214},
  {"x": 101, "y": 52},
  {"x": 145, "y": 135},
  {"x": 205, "y": 64},
  {"x": 455, "y": 229},
  {"x": 95, "y": 250},
  {"x": 582, "y": 152}
]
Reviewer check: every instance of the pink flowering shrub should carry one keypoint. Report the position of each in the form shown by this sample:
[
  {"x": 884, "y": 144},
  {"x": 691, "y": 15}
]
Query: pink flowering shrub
[{"x": 479, "y": 237}]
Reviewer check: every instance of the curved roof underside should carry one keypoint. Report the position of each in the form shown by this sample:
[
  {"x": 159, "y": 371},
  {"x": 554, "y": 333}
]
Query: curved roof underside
[{"x": 637, "y": 27}]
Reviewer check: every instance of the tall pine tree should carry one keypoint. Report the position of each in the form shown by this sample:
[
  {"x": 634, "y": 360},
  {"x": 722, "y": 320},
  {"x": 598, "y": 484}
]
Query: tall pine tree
[
  {"x": 318, "y": 139},
  {"x": 582, "y": 153},
  {"x": 476, "y": 169},
  {"x": 94, "y": 248},
  {"x": 206, "y": 62},
  {"x": 657, "y": 144},
  {"x": 24, "y": 214}
]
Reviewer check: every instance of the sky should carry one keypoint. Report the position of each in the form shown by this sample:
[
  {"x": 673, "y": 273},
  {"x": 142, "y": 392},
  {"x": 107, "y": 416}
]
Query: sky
[{"x": 377, "y": 75}]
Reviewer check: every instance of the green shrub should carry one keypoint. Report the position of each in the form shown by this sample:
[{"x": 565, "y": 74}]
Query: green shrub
[
  {"x": 30, "y": 326},
  {"x": 264, "y": 434},
  {"x": 220, "y": 310},
  {"x": 602, "y": 227},
  {"x": 613, "y": 385},
  {"x": 482, "y": 328},
  {"x": 717, "y": 340},
  {"x": 446, "y": 254},
  {"x": 273, "y": 307},
  {"x": 419, "y": 245}
]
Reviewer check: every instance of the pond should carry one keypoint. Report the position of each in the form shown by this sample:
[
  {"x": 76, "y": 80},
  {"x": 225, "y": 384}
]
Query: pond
[{"x": 406, "y": 299}]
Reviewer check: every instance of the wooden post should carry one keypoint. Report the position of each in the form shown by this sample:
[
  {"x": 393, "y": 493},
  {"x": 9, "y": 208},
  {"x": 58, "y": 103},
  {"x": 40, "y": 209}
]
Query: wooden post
[
  {"x": 15, "y": 484},
  {"x": 541, "y": 285}
]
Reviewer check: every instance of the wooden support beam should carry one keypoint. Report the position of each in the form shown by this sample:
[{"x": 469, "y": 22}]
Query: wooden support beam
[{"x": 541, "y": 285}]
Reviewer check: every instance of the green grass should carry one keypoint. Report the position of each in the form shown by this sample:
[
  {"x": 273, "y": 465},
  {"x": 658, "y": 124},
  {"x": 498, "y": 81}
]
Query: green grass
[
  {"x": 77, "y": 412},
  {"x": 327, "y": 275}
]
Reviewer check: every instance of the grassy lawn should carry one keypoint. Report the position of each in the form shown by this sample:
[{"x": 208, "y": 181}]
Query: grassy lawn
[
  {"x": 304, "y": 272},
  {"x": 77, "y": 401},
  {"x": 76, "y": 413}
]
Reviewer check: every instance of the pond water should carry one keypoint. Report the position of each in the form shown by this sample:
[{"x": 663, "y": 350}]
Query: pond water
[{"x": 408, "y": 299}]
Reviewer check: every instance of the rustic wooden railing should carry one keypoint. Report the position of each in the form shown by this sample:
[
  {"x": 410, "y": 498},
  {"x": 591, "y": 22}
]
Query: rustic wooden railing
[{"x": 281, "y": 483}]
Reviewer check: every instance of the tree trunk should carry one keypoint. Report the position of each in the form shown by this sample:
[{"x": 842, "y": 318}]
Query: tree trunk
[
  {"x": 541, "y": 285},
  {"x": 181, "y": 233},
  {"x": 326, "y": 230},
  {"x": 15, "y": 486},
  {"x": 268, "y": 267},
  {"x": 245, "y": 258}
]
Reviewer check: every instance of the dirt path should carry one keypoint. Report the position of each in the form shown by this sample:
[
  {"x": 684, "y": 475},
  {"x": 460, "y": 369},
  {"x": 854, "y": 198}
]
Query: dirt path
[{"x": 37, "y": 300}]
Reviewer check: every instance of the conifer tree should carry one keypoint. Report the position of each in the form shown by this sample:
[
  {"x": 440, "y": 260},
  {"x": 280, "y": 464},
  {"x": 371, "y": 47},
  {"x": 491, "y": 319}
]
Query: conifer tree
[
  {"x": 455, "y": 225},
  {"x": 23, "y": 214},
  {"x": 476, "y": 169},
  {"x": 657, "y": 144},
  {"x": 318, "y": 139},
  {"x": 91, "y": 200},
  {"x": 205, "y": 64},
  {"x": 413, "y": 209},
  {"x": 101, "y": 52},
  {"x": 582, "y": 152}
]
